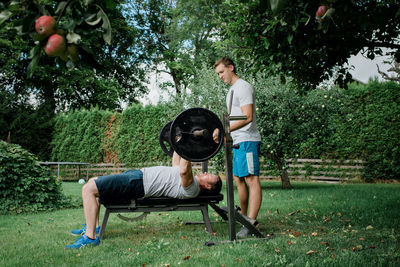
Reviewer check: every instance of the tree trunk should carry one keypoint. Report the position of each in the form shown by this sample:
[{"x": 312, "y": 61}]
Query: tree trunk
[
  {"x": 285, "y": 179},
  {"x": 279, "y": 160},
  {"x": 177, "y": 82}
]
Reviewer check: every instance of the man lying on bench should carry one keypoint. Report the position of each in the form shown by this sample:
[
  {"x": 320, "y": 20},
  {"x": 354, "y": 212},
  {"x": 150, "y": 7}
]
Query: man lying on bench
[{"x": 176, "y": 182}]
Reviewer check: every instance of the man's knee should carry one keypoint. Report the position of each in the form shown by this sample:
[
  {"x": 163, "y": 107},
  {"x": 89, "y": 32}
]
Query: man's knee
[
  {"x": 253, "y": 180},
  {"x": 90, "y": 187}
]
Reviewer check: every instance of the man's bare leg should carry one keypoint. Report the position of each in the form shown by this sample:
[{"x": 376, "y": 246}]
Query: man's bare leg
[
  {"x": 91, "y": 207},
  {"x": 243, "y": 193},
  {"x": 255, "y": 195}
]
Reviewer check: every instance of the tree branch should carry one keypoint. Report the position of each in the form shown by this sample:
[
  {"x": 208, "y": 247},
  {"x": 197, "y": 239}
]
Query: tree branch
[
  {"x": 387, "y": 77},
  {"x": 382, "y": 44}
]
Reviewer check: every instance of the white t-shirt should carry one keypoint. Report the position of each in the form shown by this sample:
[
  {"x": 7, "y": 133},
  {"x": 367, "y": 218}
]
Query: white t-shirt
[
  {"x": 166, "y": 181},
  {"x": 243, "y": 94}
]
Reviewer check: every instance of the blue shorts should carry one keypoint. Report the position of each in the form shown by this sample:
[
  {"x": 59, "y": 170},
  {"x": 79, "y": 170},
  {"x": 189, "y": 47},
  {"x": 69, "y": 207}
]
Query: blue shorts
[
  {"x": 246, "y": 159},
  {"x": 120, "y": 188}
]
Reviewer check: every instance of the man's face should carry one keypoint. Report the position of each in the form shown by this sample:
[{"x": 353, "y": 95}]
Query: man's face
[
  {"x": 208, "y": 179},
  {"x": 225, "y": 73}
]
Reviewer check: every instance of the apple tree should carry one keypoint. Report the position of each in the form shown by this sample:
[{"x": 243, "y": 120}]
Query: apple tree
[
  {"x": 58, "y": 29},
  {"x": 104, "y": 74},
  {"x": 292, "y": 124},
  {"x": 308, "y": 39}
]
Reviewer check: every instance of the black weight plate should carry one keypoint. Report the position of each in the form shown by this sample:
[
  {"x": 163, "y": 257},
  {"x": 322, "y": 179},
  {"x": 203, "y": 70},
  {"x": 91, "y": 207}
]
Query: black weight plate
[
  {"x": 164, "y": 139},
  {"x": 194, "y": 147}
]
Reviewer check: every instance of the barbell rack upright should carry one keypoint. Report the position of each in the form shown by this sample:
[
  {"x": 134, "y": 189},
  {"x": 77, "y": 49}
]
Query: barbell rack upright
[
  {"x": 234, "y": 215},
  {"x": 229, "y": 178}
]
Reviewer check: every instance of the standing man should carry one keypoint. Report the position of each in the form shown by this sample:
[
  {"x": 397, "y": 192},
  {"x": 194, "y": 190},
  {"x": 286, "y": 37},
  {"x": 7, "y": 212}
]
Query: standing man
[{"x": 246, "y": 135}]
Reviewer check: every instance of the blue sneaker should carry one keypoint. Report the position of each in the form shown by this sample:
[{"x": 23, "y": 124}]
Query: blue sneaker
[
  {"x": 84, "y": 241},
  {"x": 83, "y": 230}
]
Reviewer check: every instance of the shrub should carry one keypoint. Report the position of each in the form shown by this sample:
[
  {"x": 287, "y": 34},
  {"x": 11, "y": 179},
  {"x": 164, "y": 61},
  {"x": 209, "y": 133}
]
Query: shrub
[{"x": 24, "y": 184}]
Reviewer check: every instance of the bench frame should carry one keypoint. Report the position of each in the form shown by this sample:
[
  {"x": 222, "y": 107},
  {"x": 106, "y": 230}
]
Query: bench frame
[{"x": 165, "y": 204}]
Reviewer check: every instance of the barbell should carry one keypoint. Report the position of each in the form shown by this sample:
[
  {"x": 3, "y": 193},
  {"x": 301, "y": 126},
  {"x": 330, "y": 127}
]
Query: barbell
[{"x": 190, "y": 135}]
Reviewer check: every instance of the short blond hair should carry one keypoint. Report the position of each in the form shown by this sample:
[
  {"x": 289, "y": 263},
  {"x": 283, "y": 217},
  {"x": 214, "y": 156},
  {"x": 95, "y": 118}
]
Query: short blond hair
[{"x": 226, "y": 61}]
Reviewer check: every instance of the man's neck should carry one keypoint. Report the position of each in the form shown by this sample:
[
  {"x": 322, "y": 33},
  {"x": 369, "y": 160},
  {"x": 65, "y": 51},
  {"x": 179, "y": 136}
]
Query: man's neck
[{"x": 235, "y": 78}]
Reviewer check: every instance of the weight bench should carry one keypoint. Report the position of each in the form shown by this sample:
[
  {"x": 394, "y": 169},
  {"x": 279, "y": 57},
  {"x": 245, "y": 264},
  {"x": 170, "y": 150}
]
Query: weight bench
[{"x": 157, "y": 204}]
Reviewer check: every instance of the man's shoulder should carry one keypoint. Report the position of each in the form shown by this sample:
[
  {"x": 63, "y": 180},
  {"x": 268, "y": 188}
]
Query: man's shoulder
[
  {"x": 243, "y": 88},
  {"x": 243, "y": 84}
]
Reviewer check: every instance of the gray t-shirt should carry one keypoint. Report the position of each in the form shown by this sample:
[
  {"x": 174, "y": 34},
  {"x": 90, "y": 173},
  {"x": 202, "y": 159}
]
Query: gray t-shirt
[
  {"x": 243, "y": 94},
  {"x": 166, "y": 181}
]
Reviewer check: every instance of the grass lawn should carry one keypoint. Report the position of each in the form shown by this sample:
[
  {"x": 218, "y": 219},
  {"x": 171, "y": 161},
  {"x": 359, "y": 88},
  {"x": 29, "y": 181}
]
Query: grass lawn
[{"x": 314, "y": 224}]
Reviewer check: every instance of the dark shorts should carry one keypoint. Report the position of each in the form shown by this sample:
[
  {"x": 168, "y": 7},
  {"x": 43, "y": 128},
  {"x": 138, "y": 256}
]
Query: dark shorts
[{"x": 120, "y": 188}]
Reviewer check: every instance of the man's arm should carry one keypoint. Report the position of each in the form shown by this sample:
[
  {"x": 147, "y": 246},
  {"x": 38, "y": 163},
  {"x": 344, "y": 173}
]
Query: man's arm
[
  {"x": 247, "y": 110},
  {"x": 176, "y": 159},
  {"x": 185, "y": 169},
  {"x": 186, "y": 172}
]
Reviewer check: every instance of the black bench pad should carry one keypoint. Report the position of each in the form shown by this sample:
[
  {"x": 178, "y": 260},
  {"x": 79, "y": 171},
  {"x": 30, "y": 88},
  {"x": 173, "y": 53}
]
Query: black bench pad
[{"x": 168, "y": 200}]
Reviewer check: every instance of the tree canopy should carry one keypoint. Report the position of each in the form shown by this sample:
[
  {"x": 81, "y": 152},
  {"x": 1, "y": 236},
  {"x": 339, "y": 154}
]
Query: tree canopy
[
  {"x": 178, "y": 36},
  {"x": 104, "y": 74},
  {"x": 35, "y": 85},
  {"x": 286, "y": 38}
]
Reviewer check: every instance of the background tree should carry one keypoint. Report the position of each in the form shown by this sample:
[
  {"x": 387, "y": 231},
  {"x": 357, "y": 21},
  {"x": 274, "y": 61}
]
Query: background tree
[
  {"x": 292, "y": 124},
  {"x": 178, "y": 36},
  {"x": 290, "y": 40},
  {"x": 395, "y": 69}
]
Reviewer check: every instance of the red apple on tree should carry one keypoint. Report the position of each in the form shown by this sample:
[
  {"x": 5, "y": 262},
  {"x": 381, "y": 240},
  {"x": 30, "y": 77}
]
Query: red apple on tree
[
  {"x": 55, "y": 46},
  {"x": 45, "y": 26},
  {"x": 321, "y": 11}
]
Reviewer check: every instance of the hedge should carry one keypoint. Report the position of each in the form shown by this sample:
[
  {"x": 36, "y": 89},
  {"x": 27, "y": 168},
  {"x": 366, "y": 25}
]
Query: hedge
[
  {"x": 96, "y": 136},
  {"x": 361, "y": 122},
  {"x": 370, "y": 128},
  {"x": 79, "y": 135}
]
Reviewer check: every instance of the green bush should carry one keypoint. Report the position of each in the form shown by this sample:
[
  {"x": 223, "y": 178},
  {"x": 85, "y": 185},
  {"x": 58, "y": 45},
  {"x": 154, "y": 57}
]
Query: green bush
[
  {"x": 97, "y": 136},
  {"x": 138, "y": 134},
  {"x": 370, "y": 128},
  {"x": 79, "y": 135},
  {"x": 24, "y": 184}
]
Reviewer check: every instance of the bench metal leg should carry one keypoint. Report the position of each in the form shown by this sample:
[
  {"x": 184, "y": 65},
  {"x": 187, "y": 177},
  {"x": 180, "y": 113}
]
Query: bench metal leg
[
  {"x": 104, "y": 223},
  {"x": 204, "y": 211},
  {"x": 221, "y": 212}
]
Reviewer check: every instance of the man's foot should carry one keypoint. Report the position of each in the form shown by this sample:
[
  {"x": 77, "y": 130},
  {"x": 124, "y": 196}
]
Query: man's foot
[
  {"x": 244, "y": 232},
  {"x": 84, "y": 241},
  {"x": 82, "y": 231}
]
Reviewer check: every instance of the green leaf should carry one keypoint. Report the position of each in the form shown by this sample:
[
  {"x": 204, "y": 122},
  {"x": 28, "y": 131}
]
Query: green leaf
[
  {"x": 106, "y": 25},
  {"x": 34, "y": 51},
  {"x": 290, "y": 38},
  {"x": 32, "y": 65},
  {"x": 14, "y": 5},
  {"x": 4, "y": 15},
  {"x": 73, "y": 38},
  {"x": 110, "y": 4},
  {"x": 277, "y": 5},
  {"x": 93, "y": 19},
  {"x": 60, "y": 7},
  {"x": 87, "y": 2}
]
